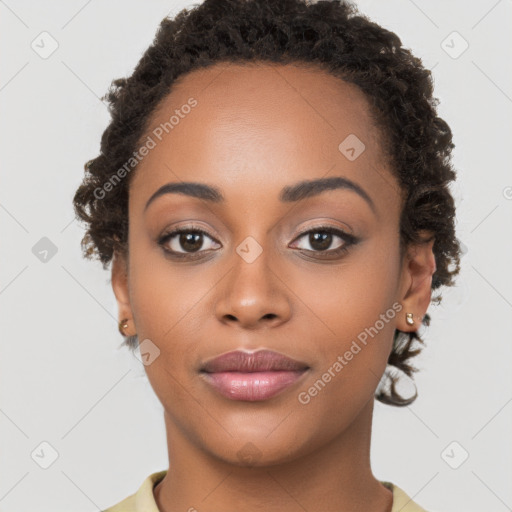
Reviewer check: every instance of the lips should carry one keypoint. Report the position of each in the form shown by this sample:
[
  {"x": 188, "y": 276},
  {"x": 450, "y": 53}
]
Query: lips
[
  {"x": 248, "y": 362},
  {"x": 252, "y": 376}
]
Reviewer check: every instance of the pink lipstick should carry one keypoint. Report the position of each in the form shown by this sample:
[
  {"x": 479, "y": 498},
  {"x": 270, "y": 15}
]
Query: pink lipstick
[{"x": 252, "y": 376}]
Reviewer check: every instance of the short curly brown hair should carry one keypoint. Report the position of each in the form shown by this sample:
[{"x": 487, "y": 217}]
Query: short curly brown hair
[{"x": 333, "y": 36}]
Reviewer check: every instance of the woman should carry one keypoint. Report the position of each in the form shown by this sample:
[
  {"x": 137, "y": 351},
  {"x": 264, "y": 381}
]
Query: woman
[{"x": 272, "y": 193}]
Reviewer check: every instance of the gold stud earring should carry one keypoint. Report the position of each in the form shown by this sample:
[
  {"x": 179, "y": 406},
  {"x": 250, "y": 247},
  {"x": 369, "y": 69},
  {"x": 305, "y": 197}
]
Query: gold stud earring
[
  {"x": 123, "y": 324},
  {"x": 409, "y": 318}
]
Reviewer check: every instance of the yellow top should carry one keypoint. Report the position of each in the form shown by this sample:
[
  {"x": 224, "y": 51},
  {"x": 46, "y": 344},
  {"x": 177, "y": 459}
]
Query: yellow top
[{"x": 144, "y": 501}]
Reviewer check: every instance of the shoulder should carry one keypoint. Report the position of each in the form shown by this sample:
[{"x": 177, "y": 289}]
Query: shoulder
[
  {"x": 143, "y": 500},
  {"x": 402, "y": 502}
]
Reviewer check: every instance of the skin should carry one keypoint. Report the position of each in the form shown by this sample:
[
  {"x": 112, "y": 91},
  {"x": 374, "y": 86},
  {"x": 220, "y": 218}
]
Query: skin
[{"x": 256, "y": 129}]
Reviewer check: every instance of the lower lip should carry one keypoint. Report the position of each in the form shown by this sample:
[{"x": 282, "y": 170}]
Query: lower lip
[{"x": 254, "y": 386}]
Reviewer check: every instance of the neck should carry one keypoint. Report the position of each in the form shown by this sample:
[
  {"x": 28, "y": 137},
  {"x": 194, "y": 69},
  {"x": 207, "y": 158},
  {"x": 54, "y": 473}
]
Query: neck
[{"x": 336, "y": 476}]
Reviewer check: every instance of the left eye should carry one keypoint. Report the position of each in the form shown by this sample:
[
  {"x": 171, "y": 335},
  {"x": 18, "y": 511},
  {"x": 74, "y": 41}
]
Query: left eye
[{"x": 321, "y": 239}]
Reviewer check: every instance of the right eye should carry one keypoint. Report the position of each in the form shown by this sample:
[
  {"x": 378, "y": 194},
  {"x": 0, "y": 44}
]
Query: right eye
[{"x": 184, "y": 241}]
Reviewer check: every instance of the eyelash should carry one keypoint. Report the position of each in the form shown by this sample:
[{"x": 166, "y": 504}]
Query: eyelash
[{"x": 346, "y": 237}]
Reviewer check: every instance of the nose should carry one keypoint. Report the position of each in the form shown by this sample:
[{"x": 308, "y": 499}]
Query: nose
[{"x": 253, "y": 295}]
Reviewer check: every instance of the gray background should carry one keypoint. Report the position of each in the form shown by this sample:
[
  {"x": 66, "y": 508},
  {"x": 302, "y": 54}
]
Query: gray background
[{"x": 64, "y": 379}]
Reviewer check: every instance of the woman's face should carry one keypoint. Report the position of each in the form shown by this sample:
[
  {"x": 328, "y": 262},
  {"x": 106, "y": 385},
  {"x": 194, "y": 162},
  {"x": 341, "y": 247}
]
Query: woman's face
[{"x": 255, "y": 280}]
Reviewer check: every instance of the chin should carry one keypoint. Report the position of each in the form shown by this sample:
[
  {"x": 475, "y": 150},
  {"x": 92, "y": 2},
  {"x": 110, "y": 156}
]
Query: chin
[{"x": 257, "y": 453}]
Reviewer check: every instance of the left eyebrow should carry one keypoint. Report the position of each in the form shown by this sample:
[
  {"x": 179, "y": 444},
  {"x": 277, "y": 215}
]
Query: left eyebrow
[
  {"x": 310, "y": 188},
  {"x": 301, "y": 190}
]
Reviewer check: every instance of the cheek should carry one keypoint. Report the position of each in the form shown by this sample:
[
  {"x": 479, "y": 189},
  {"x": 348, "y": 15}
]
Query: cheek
[
  {"x": 353, "y": 307},
  {"x": 350, "y": 296},
  {"x": 170, "y": 305},
  {"x": 163, "y": 295}
]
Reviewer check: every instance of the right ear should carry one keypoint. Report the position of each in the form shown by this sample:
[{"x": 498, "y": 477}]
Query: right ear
[{"x": 120, "y": 287}]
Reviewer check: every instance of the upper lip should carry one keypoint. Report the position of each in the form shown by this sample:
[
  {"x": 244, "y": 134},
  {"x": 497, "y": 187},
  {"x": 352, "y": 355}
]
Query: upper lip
[{"x": 260, "y": 361}]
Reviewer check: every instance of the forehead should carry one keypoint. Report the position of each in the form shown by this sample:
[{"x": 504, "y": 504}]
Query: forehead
[{"x": 263, "y": 123}]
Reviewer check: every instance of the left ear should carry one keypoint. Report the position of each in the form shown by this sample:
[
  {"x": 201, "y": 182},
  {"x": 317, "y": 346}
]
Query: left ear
[{"x": 416, "y": 283}]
